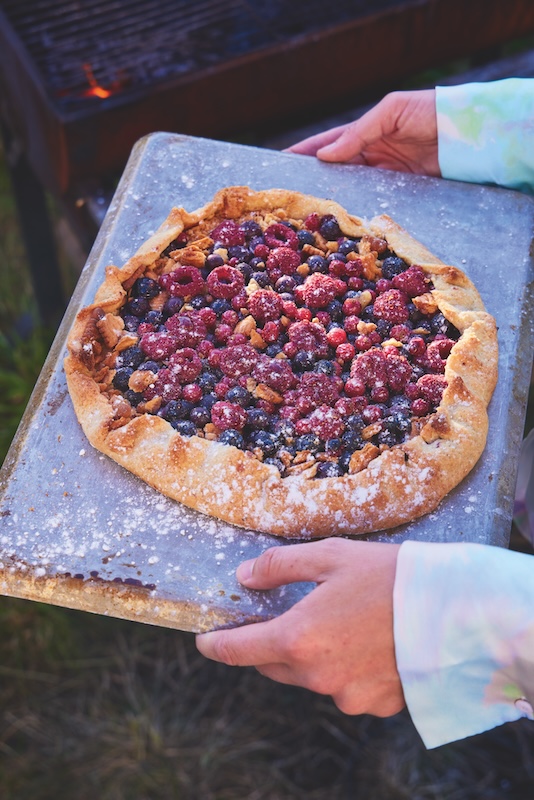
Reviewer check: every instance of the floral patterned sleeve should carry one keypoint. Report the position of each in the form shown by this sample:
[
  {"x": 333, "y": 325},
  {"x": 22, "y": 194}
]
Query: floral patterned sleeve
[
  {"x": 464, "y": 637},
  {"x": 486, "y": 132}
]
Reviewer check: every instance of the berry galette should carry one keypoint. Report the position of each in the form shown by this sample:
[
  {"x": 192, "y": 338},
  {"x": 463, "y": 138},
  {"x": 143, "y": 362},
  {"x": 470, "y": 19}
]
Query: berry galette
[{"x": 272, "y": 361}]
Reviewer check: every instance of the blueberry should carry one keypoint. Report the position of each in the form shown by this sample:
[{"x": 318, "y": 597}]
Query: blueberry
[
  {"x": 184, "y": 427},
  {"x": 256, "y": 264},
  {"x": 273, "y": 349},
  {"x": 131, "y": 323},
  {"x": 240, "y": 252},
  {"x": 275, "y": 462},
  {"x": 318, "y": 264},
  {"x": 387, "y": 437},
  {"x": 232, "y": 437},
  {"x": 145, "y": 287},
  {"x": 333, "y": 447},
  {"x": 200, "y": 415},
  {"x": 261, "y": 278},
  {"x": 355, "y": 422},
  {"x": 244, "y": 269},
  {"x": 285, "y": 284},
  {"x": 325, "y": 367},
  {"x": 121, "y": 378},
  {"x": 134, "y": 398},
  {"x": 176, "y": 409},
  {"x": 335, "y": 309},
  {"x": 153, "y": 366},
  {"x": 309, "y": 441},
  {"x": 347, "y": 246},
  {"x": 304, "y": 361},
  {"x": 352, "y": 441},
  {"x": 251, "y": 229},
  {"x": 154, "y": 318},
  {"x": 220, "y": 306},
  {"x": 131, "y": 357},
  {"x": 439, "y": 324},
  {"x": 138, "y": 306},
  {"x": 265, "y": 441},
  {"x": 383, "y": 328},
  {"x": 305, "y": 237},
  {"x": 329, "y": 469},
  {"x": 198, "y": 302},
  {"x": 214, "y": 260},
  {"x": 393, "y": 265},
  {"x": 206, "y": 381},
  {"x": 172, "y": 306},
  {"x": 344, "y": 460},
  {"x": 258, "y": 419},
  {"x": 329, "y": 228},
  {"x": 239, "y": 395},
  {"x": 336, "y": 257},
  {"x": 209, "y": 400},
  {"x": 284, "y": 430}
]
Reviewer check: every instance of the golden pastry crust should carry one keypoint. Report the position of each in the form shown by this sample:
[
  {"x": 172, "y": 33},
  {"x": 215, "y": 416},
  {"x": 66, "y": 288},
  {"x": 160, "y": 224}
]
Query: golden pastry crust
[{"x": 394, "y": 487}]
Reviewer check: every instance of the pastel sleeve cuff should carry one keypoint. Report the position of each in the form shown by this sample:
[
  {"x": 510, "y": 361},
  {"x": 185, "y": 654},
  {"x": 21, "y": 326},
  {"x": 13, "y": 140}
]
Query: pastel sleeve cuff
[
  {"x": 464, "y": 637},
  {"x": 486, "y": 132}
]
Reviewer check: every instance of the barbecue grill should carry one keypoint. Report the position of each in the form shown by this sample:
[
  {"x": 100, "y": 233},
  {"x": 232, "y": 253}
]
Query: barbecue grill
[{"x": 82, "y": 81}]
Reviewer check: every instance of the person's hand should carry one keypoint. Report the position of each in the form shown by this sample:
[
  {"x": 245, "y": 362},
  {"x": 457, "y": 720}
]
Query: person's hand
[
  {"x": 399, "y": 133},
  {"x": 337, "y": 640}
]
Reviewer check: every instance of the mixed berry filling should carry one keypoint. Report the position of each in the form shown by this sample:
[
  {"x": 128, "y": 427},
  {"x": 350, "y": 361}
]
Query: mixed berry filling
[{"x": 307, "y": 349}]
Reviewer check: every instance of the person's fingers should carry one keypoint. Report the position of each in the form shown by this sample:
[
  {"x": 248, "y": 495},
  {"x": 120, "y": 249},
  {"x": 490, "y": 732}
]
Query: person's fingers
[
  {"x": 311, "y": 144},
  {"x": 357, "y": 136},
  {"x": 309, "y": 561},
  {"x": 249, "y": 646}
]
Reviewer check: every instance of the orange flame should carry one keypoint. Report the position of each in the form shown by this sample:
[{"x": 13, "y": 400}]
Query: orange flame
[{"x": 95, "y": 90}]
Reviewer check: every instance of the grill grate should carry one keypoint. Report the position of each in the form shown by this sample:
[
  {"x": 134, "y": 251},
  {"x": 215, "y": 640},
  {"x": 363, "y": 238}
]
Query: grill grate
[{"x": 93, "y": 48}]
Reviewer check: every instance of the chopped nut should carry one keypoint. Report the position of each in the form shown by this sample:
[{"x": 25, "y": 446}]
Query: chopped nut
[
  {"x": 257, "y": 341},
  {"x": 264, "y": 392},
  {"x": 191, "y": 256},
  {"x": 141, "y": 379},
  {"x": 371, "y": 430},
  {"x": 126, "y": 340},
  {"x": 110, "y": 328},
  {"x": 365, "y": 298},
  {"x": 150, "y": 406},
  {"x": 360, "y": 459},
  {"x": 425, "y": 303},
  {"x": 246, "y": 325},
  {"x": 365, "y": 327}
]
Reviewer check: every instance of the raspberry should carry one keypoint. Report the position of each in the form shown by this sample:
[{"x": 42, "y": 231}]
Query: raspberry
[
  {"x": 337, "y": 268},
  {"x": 192, "y": 393},
  {"x": 363, "y": 342},
  {"x": 265, "y": 305},
  {"x": 316, "y": 388},
  {"x": 222, "y": 333},
  {"x": 185, "y": 365},
  {"x": 398, "y": 371},
  {"x": 326, "y": 423},
  {"x": 167, "y": 386},
  {"x": 345, "y": 351},
  {"x": 309, "y": 336},
  {"x": 354, "y": 387},
  {"x": 400, "y": 333},
  {"x": 225, "y": 282},
  {"x": 284, "y": 259},
  {"x": 270, "y": 332},
  {"x": 352, "y": 307},
  {"x": 420, "y": 407},
  {"x": 431, "y": 388},
  {"x": 188, "y": 328},
  {"x": 238, "y": 360},
  {"x": 228, "y": 233},
  {"x": 275, "y": 373},
  {"x": 370, "y": 367},
  {"x": 336, "y": 336},
  {"x": 392, "y": 306},
  {"x": 226, "y": 415},
  {"x": 372, "y": 414},
  {"x": 277, "y": 234},
  {"x": 312, "y": 222},
  {"x": 351, "y": 323},
  {"x": 184, "y": 281},
  {"x": 208, "y": 317},
  {"x": 412, "y": 282},
  {"x": 261, "y": 251},
  {"x": 354, "y": 268},
  {"x": 158, "y": 345},
  {"x": 319, "y": 290}
]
